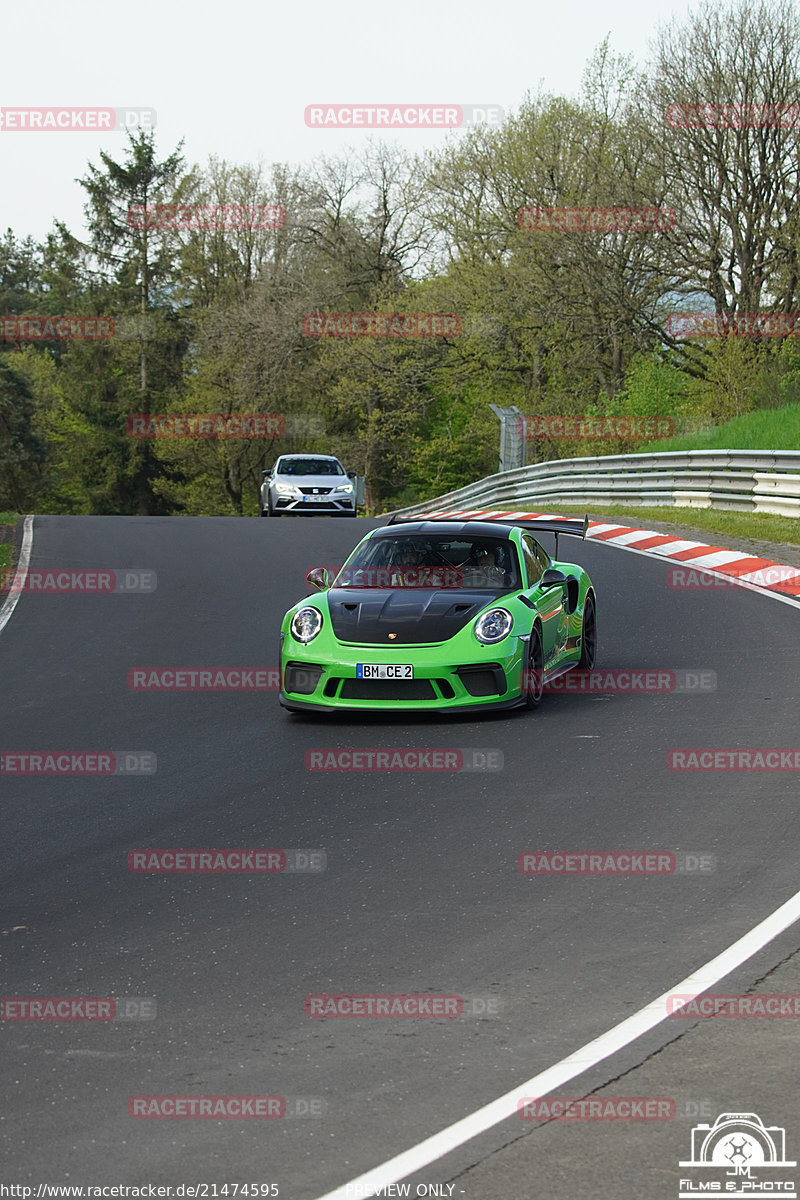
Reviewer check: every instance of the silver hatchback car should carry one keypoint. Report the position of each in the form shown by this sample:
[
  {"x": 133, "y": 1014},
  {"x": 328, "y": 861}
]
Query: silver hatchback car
[{"x": 308, "y": 484}]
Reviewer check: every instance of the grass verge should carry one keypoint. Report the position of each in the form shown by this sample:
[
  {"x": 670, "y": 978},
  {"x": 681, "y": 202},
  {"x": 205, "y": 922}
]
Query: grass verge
[
  {"x": 765, "y": 429},
  {"x": 6, "y": 548}
]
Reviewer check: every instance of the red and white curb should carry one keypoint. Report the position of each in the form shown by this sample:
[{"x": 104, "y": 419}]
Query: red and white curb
[{"x": 761, "y": 573}]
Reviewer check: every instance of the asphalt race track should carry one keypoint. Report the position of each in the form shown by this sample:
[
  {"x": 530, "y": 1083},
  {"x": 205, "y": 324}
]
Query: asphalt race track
[{"x": 421, "y": 892}]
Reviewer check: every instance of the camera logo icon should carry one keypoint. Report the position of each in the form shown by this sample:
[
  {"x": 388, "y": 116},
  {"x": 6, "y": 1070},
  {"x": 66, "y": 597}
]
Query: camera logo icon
[{"x": 738, "y": 1143}]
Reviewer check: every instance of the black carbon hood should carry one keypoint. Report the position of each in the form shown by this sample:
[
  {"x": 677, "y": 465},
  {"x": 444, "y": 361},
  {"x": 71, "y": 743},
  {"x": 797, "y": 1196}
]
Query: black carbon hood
[{"x": 416, "y": 615}]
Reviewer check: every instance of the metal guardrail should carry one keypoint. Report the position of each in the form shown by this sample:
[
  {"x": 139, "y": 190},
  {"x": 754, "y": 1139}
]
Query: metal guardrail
[{"x": 743, "y": 480}]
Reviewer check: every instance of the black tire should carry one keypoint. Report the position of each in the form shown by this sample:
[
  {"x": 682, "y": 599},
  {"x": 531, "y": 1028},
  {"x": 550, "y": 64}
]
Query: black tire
[
  {"x": 534, "y": 670},
  {"x": 588, "y": 635}
]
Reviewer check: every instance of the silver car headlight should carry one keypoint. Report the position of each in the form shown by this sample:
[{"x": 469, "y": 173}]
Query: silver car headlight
[
  {"x": 285, "y": 489},
  {"x": 344, "y": 487},
  {"x": 306, "y": 624},
  {"x": 493, "y": 626}
]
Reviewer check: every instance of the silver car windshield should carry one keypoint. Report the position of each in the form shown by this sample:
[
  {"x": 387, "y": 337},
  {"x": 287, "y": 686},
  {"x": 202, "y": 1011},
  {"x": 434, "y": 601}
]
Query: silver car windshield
[{"x": 309, "y": 466}]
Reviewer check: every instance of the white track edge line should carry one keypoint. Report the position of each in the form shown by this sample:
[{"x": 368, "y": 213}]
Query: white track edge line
[
  {"x": 21, "y": 573},
  {"x": 580, "y": 1061},
  {"x": 435, "y": 1147}
]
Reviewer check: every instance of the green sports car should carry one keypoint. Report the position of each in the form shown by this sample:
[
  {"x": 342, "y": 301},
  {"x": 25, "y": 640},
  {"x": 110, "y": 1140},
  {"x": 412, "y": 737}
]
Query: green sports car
[{"x": 440, "y": 615}]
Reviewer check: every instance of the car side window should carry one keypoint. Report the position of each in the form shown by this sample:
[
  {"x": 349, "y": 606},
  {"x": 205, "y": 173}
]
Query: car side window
[{"x": 533, "y": 566}]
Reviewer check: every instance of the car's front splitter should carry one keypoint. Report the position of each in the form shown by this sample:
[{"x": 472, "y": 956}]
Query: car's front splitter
[{"x": 292, "y": 704}]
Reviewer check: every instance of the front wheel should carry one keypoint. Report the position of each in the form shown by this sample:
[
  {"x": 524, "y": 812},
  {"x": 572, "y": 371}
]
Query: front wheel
[
  {"x": 588, "y": 635},
  {"x": 534, "y": 673}
]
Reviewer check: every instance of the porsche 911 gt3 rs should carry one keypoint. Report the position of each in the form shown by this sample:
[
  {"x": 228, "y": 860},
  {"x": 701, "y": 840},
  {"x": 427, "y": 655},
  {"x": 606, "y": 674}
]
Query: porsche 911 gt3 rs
[{"x": 440, "y": 615}]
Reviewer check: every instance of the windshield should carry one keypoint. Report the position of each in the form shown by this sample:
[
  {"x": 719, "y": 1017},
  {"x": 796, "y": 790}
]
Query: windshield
[
  {"x": 309, "y": 466},
  {"x": 432, "y": 561}
]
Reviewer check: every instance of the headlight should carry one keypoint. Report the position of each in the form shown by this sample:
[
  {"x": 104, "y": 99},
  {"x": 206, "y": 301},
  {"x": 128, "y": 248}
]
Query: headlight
[
  {"x": 285, "y": 489},
  {"x": 344, "y": 487},
  {"x": 306, "y": 624},
  {"x": 493, "y": 626}
]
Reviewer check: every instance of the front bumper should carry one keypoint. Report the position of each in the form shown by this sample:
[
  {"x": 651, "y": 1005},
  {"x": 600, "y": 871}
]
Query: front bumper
[
  {"x": 446, "y": 678},
  {"x": 308, "y": 505}
]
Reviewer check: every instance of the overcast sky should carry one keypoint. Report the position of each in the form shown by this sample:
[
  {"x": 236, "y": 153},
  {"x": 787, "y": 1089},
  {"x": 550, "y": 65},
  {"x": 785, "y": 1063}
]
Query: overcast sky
[{"x": 234, "y": 77}]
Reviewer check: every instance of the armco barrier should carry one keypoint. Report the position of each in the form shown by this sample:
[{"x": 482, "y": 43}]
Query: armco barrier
[{"x": 743, "y": 480}]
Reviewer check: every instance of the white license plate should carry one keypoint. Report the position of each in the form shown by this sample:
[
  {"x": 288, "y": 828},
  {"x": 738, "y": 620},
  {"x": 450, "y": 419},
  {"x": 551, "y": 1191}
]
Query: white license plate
[{"x": 383, "y": 671}]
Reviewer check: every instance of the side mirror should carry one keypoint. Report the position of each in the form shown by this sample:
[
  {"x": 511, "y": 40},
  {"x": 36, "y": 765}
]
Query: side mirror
[
  {"x": 351, "y": 474},
  {"x": 552, "y": 578},
  {"x": 317, "y": 578},
  {"x": 267, "y": 472}
]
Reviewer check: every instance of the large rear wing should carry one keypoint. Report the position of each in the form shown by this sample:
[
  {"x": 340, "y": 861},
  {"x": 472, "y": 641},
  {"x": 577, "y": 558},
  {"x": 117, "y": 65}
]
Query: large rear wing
[{"x": 572, "y": 526}]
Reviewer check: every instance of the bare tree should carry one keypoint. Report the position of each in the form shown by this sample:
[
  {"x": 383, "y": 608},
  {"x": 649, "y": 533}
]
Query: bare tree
[{"x": 723, "y": 101}]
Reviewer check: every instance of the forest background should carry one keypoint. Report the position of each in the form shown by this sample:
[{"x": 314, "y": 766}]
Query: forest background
[{"x": 557, "y": 322}]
